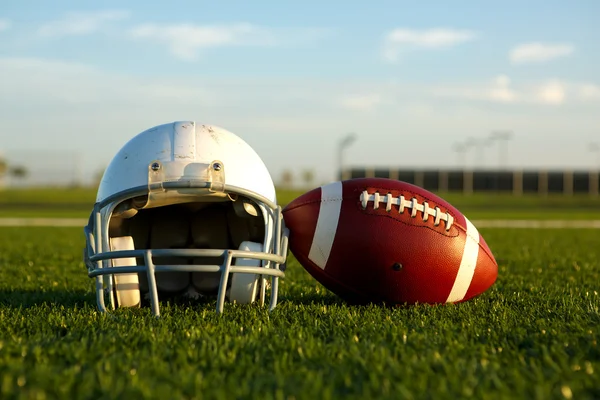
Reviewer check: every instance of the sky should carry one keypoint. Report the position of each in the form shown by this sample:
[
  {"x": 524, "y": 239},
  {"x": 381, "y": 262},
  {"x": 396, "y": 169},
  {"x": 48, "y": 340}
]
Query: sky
[{"x": 413, "y": 80}]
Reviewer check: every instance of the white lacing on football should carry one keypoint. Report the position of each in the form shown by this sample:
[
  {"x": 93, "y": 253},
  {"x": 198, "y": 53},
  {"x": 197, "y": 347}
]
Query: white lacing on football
[{"x": 411, "y": 204}]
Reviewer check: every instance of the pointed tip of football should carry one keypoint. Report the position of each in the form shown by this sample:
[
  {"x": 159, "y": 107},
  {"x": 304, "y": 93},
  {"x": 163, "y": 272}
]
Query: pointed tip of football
[
  {"x": 485, "y": 273},
  {"x": 312, "y": 196}
]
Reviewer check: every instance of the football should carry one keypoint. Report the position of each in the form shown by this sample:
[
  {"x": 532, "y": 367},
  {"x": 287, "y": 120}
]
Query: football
[{"x": 372, "y": 240}]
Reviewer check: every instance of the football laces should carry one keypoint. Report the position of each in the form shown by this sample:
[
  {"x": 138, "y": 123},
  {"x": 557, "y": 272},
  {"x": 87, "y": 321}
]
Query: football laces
[{"x": 411, "y": 204}]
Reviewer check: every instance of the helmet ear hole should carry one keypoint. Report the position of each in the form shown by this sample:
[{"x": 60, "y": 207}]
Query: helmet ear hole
[{"x": 244, "y": 228}]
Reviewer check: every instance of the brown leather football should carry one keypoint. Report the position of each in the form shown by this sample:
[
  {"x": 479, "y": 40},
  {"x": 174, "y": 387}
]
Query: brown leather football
[{"x": 384, "y": 240}]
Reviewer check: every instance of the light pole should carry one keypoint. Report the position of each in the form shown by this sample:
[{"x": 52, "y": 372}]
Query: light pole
[
  {"x": 502, "y": 151},
  {"x": 470, "y": 143},
  {"x": 594, "y": 147},
  {"x": 461, "y": 150},
  {"x": 344, "y": 143}
]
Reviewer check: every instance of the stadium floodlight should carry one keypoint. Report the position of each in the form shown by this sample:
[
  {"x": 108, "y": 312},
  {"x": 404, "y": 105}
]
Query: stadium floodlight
[
  {"x": 343, "y": 144},
  {"x": 500, "y": 136},
  {"x": 479, "y": 146}
]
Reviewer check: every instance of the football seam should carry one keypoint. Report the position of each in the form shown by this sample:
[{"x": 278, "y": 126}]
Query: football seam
[
  {"x": 464, "y": 229},
  {"x": 348, "y": 197},
  {"x": 307, "y": 202},
  {"x": 351, "y": 197},
  {"x": 408, "y": 191},
  {"x": 458, "y": 227},
  {"x": 433, "y": 228}
]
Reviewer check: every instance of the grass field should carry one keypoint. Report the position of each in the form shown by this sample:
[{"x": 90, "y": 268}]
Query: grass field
[
  {"x": 78, "y": 203},
  {"x": 533, "y": 335}
]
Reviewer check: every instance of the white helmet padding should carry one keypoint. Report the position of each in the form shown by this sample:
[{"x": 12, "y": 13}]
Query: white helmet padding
[
  {"x": 244, "y": 286},
  {"x": 127, "y": 286}
]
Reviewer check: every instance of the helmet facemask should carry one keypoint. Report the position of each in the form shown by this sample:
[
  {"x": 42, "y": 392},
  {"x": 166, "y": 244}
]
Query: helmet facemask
[{"x": 186, "y": 233}]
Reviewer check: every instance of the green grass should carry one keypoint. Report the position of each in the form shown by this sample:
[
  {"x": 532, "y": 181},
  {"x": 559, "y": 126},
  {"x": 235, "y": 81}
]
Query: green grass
[
  {"x": 476, "y": 214},
  {"x": 532, "y": 214},
  {"x": 77, "y": 203},
  {"x": 68, "y": 203},
  {"x": 533, "y": 335},
  {"x": 44, "y": 213},
  {"x": 48, "y": 196},
  {"x": 78, "y": 197}
]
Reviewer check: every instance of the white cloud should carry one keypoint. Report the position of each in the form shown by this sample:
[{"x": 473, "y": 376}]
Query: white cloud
[
  {"x": 363, "y": 102},
  {"x": 5, "y": 24},
  {"x": 81, "y": 23},
  {"x": 78, "y": 107},
  {"x": 497, "y": 90},
  {"x": 435, "y": 38},
  {"x": 502, "y": 90},
  {"x": 553, "y": 92},
  {"x": 589, "y": 91},
  {"x": 65, "y": 84},
  {"x": 185, "y": 40},
  {"x": 539, "y": 52}
]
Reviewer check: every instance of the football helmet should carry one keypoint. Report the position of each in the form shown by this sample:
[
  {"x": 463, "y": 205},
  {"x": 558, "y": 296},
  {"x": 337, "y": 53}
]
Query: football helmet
[{"x": 185, "y": 209}]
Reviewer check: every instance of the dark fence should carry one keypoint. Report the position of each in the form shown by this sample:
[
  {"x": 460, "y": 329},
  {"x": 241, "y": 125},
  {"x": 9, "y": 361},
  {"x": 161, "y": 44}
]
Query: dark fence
[{"x": 468, "y": 181}]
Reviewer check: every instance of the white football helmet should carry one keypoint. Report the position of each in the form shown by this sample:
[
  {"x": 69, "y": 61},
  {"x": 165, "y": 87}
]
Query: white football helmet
[{"x": 185, "y": 209}]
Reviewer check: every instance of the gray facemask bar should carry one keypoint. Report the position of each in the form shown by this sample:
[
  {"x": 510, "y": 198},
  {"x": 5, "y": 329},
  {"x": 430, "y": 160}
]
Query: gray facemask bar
[{"x": 98, "y": 251}]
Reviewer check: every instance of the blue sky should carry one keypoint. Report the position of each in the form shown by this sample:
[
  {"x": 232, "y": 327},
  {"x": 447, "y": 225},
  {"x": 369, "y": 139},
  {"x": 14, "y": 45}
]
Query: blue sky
[{"x": 411, "y": 78}]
